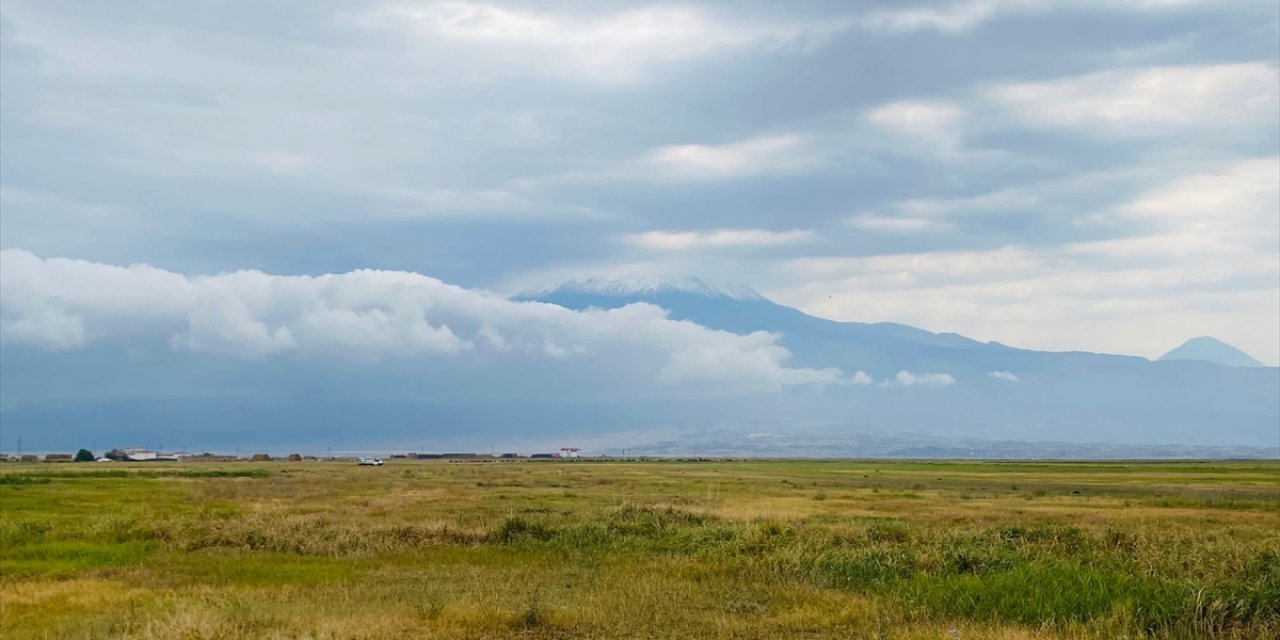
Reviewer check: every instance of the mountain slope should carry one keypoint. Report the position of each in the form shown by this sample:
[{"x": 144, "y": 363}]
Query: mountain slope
[
  {"x": 998, "y": 391},
  {"x": 735, "y": 308},
  {"x": 1207, "y": 349}
]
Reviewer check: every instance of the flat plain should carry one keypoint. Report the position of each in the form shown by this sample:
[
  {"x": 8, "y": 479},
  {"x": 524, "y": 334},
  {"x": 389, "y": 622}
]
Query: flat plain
[{"x": 641, "y": 549}]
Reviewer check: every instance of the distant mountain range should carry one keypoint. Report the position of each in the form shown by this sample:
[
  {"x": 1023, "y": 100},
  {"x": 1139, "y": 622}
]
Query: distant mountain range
[
  {"x": 901, "y": 391},
  {"x": 1197, "y": 394}
]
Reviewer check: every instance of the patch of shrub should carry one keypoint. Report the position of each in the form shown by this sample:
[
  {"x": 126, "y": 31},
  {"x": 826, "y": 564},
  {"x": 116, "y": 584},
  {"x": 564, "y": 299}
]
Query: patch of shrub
[
  {"x": 517, "y": 529},
  {"x": 866, "y": 569},
  {"x": 25, "y": 532},
  {"x": 975, "y": 555},
  {"x": 889, "y": 531},
  {"x": 1062, "y": 539},
  {"x": 651, "y": 522},
  {"x": 1047, "y": 591}
]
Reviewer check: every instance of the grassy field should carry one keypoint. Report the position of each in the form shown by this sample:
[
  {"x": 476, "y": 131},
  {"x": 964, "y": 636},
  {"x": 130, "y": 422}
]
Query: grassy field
[{"x": 757, "y": 549}]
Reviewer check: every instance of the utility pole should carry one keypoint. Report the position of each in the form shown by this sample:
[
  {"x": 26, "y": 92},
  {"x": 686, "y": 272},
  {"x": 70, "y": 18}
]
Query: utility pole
[{"x": 19, "y": 447}]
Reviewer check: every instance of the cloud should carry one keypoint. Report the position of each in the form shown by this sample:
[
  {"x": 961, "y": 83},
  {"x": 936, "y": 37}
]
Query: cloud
[
  {"x": 961, "y": 17},
  {"x": 895, "y": 224},
  {"x": 759, "y": 155},
  {"x": 950, "y": 19},
  {"x": 717, "y": 238},
  {"x": 1242, "y": 194},
  {"x": 1004, "y": 200},
  {"x": 610, "y": 48},
  {"x": 787, "y": 154},
  {"x": 917, "y": 117},
  {"x": 908, "y": 379},
  {"x": 1002, "y": 375},
  {"x": 285, "y": 163},
  {"x": 1192, "y": 255},
  {"x": 1075, "y": 199},
  {"x": 45, "y": 327},
  {"x": 413, "y": 202},
  {"x": 370, "y": 316},
  {"x": 762, "y": 360},
  {"x": 424, "y": 124},
  {"x": 911, "y": 267},
  {"x": 1151, "y": 100},
  {"x": 923, "y": 128},
  {"x": 1226, "y": 213}
]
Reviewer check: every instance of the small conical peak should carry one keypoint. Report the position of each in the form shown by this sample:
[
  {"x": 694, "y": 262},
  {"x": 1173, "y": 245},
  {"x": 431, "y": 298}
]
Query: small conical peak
[{"x": 1210, "y": 349}]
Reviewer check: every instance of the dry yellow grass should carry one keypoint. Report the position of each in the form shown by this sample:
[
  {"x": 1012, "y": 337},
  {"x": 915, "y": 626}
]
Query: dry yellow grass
[{"x": 641, "y": 550}]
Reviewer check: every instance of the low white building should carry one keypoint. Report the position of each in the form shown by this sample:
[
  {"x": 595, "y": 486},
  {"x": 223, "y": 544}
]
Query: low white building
[{"x": 138, "y": 454}]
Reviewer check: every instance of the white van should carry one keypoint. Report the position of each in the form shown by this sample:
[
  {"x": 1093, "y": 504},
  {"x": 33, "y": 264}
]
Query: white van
[{"x": 370, "y": 462}]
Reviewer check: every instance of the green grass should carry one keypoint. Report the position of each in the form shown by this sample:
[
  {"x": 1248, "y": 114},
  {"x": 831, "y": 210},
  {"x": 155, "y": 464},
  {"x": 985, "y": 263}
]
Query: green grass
[
  {"x": 41, "y": 477},
  {"x": 819, "y": 549}
]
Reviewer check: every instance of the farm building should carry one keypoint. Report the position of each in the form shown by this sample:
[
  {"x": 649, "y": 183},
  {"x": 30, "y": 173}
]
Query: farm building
[
  {"x": 58, "y": 457},
  {"x": 140, "y": 454}
]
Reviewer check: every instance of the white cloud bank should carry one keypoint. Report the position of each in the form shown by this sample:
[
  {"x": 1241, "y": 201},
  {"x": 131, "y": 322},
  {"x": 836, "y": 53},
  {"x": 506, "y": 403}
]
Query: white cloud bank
[
  {"x": 604, "y": 47},
  {"x": 1201, "y": 260},
  {"x": 917, "y": 117},
  {"x": 1151, "y": 100},
  {"x": 964, "y": 16},
  {"x": 61, "y": 304},
  {"x": 716, "y": 238},
  {"x": 908, "y": 379},
  {"x": 771, "y": 154},
  {"x": 877, "y": 223}
]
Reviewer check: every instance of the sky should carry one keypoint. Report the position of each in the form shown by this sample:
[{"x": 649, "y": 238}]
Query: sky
[{"x": 1086, "y": 175}]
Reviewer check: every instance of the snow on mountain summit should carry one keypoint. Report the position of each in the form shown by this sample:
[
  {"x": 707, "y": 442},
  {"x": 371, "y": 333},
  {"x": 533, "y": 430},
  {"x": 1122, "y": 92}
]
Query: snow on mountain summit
[{"x": 648, "y": 286}]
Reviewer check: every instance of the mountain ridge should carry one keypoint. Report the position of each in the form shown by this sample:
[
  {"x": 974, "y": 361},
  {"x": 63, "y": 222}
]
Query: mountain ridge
[
  {"x": 645, "y": 285},
  {"x": 999, "y": 391},
  {"x": 737, "y": 308}
]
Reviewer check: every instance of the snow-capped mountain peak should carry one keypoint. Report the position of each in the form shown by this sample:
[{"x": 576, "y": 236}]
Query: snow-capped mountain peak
[{"x": 633, "y": 286}]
